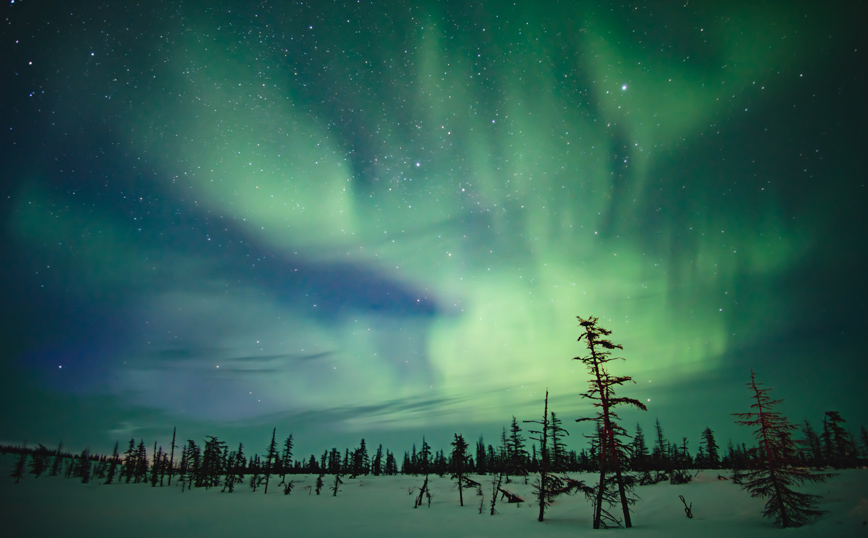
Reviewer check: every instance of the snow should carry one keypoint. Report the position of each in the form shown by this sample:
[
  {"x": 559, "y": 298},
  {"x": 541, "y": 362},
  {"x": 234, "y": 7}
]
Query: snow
[{"x": 383, "y": 507}]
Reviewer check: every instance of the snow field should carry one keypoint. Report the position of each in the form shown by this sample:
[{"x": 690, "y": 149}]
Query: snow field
[{"x": 383, "y": 507}]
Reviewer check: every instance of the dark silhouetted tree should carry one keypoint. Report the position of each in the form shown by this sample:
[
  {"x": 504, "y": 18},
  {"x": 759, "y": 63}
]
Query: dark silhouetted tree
[
  {"x": 516, "y": 455},
  {"x": 238, "y": 465},
  {"x": 58, "y": 460},
  {"x": 549, "y": 484},
  {"x": 83, "y": 466},
  {"x": 255, "y": 473},
  {"x": 812, "y": 448},
  {"x": 391, "y": 466},
  {"x": 172, "y": 456},
  {"x": 157, "y": 465},
  {"x": 113, "y": 465},
  {"x": 840, "y": 449},
  {"x": 336, "y": 486},
  {"x": 481, "y": 459},
  {"x": 602, "y": 391},
  {"x": 639, "y": 461},
  {"x": 194, "y": 460},
  {"x": 39, "y": 460},
  {"x": 130, "y": 461},
  {"x": 140, "y": 473},
  {"x": 360, "y": 461},
  {"x": 776, "y": 468},
  {"x": 708, "y": 445},
  {"x": 660, "y": 453},
  {"x": 286, "y": 457},
  {"x": 20, "y": 465},
  {"x": 558, "y": 448},
  {"x": 211, "y": 467},
  {"x": 270, "y": 458},
  {"x": 377, "y": 463},
  {"x": 459, "y": 462}
]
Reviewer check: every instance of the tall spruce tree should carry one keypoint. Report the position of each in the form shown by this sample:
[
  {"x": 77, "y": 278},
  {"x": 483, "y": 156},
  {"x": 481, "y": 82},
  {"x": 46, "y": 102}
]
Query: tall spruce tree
[
  {"x": 172, "y": 456},
  {"x": 558, "y": 450},
  {"x": 113, "y": 465},
  {"x": 377, "y": 462},
  {"x": 517, "y": 456},
  {"x": 602, "y": 391},
  {"x": 660, "y": 453},
  {"x": 776, "y": 468},
  {"x": 481, "y": 458},
  {"x": 639, "y": 461},
  {"x": 270, "y": 457},
  {"x": 710, "y": 449},
  {"x": 459, "y": 464},
  {"x": 840, "y": 447},
  {"x": 140, "y": 473},
  {"x": 20, "y": 465},
  {"x": 286, "y": 457}
]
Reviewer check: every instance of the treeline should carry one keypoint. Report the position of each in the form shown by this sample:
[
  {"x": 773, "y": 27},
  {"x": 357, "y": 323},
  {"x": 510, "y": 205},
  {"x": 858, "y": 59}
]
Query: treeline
[{"x": 214, "y": 464}]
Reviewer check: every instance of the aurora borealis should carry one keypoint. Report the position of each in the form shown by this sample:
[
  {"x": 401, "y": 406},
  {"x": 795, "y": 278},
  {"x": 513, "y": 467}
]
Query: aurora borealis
[{"x": 345, "y": 218}]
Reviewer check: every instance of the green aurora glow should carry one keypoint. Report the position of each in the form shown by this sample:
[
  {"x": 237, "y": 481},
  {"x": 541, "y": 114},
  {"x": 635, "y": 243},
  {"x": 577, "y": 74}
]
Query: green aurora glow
[{"x": 513, "y": 166}]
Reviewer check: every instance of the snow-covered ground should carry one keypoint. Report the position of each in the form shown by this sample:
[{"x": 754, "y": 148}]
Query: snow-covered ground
[{"x": 383, "y": 507}]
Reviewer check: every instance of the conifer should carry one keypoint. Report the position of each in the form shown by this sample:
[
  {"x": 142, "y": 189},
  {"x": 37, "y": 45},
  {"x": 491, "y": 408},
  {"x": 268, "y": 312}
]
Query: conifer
[
  {"x": 602, "y": 391},
  {"x": 776, "y": 468},
  {"x": 459, "y": 462}
]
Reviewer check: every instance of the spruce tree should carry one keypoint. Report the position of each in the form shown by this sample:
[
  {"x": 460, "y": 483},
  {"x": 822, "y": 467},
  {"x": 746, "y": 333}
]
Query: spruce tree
[
  {"x": 172, "y": 456},
  {"x": 20, "y": 465},
  {"x": 113, "y": 465},
  {"x": 558, "y": 456},
  {"x": 481, "y": 459},
  {"x": 776, "y": 468},
  {"x": 39, "y": 460},
  {"x": 140, "y": 473},
  {"x": 270, "y": 456},
  {"x": 602, "y": 391},
  {"x": 286, "y": 457},
  {"x": 639, "y": 461},
  {"x": 377, "y": 463},
  {"x": 156, "y": 465},
  {"x": 255, "y": 475},
  {"x": 841, "y": 449},
  {"x": 194, "y": 460},
  {"x": 710, "y": 449},
  {"x": 130, "y": 461},
  {"x": 211, "y": 467},
  {"x": 391, "y": 466},
  {"x": 459, "y": 462},
  {"x": 660, "y": 454},
  {"x": 336, "y": 485},
  {"x": 83, "y": 466},
  {"x": 360, "y": 461},
  {"x": 516, "y": 453},
  {"x": 58, "y": 460},
  {"x": 423, "y": 459}
]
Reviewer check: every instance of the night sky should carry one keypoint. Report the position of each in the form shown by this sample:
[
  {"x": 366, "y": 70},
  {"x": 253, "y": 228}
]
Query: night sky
[{"x": 380, "y": 219}]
